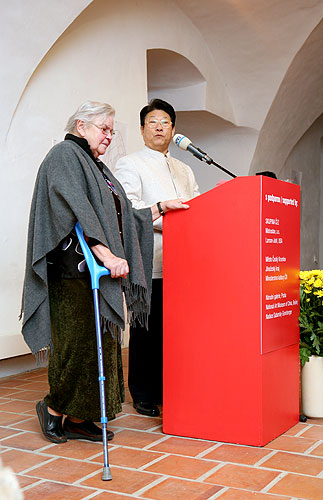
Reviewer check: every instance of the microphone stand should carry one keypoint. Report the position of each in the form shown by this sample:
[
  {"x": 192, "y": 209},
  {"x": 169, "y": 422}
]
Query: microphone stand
[{"x": 207, "y": 159}]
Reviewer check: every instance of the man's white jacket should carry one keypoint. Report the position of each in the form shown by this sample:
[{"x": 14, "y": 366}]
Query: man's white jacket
[{"x": 149, "y": 176}]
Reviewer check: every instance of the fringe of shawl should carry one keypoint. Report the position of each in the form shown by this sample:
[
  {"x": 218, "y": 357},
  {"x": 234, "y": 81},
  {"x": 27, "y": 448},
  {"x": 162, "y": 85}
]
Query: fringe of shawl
[
  {"x": 138, "y": 304},
  {"x": 42, "y": 356},
  {"x": 138, "y": 308}
]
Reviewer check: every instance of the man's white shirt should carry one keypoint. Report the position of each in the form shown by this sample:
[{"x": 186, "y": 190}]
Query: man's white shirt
[{"x": 148, "y": 176}]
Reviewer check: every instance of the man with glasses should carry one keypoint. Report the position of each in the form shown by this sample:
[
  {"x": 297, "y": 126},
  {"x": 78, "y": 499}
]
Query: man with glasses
[{"x": 148, "y": 177}]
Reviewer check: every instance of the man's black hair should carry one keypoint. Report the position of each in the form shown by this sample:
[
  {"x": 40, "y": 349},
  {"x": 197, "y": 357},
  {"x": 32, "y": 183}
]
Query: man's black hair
[{"x": 158, "y": 104}]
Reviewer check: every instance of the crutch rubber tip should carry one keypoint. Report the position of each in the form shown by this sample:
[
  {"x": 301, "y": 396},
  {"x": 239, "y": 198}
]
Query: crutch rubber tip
[{"x": 106, "y": 476}]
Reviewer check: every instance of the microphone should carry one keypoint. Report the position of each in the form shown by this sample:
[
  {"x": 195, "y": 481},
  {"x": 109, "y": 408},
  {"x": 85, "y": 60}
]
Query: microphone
[{"x": 185, "y": 143}]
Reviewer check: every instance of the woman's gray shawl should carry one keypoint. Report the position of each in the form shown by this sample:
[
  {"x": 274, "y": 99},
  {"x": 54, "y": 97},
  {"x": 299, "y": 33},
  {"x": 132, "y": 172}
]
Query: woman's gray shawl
[{"x": 70, "y": 188}]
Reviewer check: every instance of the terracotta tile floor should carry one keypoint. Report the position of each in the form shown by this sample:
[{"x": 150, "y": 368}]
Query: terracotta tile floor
[{"x": 148, "y": 464}]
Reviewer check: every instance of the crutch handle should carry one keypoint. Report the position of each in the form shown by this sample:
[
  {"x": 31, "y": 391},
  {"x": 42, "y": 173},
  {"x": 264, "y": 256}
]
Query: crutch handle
[{"x": 96, "y": 271}]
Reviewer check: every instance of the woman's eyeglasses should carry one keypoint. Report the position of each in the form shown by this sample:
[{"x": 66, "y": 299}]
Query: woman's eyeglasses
[{"x": 106, "y": 131}]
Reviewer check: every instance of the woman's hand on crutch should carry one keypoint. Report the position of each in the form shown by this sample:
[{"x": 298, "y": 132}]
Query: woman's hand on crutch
[{"x": 118, "y": 267}]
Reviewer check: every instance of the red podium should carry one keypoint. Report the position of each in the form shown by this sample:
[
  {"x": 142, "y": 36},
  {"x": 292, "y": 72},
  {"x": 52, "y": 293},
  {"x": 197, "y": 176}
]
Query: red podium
[{"x": 231, "y": 307}]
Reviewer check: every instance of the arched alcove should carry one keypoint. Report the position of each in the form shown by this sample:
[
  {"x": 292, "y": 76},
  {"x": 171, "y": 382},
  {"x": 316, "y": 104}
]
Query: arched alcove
[{"x": 172, "y": 77}]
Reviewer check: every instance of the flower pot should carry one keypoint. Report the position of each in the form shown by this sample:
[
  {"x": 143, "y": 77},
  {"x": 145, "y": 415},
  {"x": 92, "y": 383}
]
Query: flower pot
[{"x": 312, "y": 387}]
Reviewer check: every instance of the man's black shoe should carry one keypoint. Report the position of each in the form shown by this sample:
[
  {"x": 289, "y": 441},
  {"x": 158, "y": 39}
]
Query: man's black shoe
[
  {"x": 146, "y": 408},
  {"x": 84, "y": 430},
  {"x": 51, "y": 425}
]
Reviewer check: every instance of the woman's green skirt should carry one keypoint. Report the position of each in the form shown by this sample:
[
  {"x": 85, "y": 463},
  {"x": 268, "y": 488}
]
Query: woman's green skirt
[{"x": 73, "y": 363}]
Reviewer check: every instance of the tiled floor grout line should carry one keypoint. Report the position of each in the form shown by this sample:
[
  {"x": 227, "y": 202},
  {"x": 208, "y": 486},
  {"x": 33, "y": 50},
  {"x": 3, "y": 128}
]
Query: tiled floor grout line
[
  {"x": 18, "y": 433},
  {"x": 150, "y": 485},
  {"x": 274, "y": 481},
  {"x": 153, "y": 429},
  {"x": 136, "y": 415},
  {"x": 305, "y": 428},
  {"x": 120, "y": 417},
  {"x": 88, "y": 476},
  {"x": 51, "y": 457},
  {"x": 92, "y": 495},
  {"x": 208, "y": 450},
  {"x": 169, "y": 476},
  {"x": 128, "y": 447},
  {"x": 209, "y": 473},
  {"x": 98, "y": 455},
  {"x": 280, "y": 471},
  {"x": 31, "y": 469},
  {"x": 312, "y": 448},
  {"x": 119, "y": 429},
  {"x": 19, "y": 414},
  {"x": 72, "y": 459},
  {"x": 96, "y": 493},
  {"x": 168, "y": 453},
  {"x": 43, "y": 449},
  {"x": 12, "y": 426},
  {"x": 32, "y": 485},
  {"x": 82, "y": 486},
  {"x": 8, "y": 437},
  {"x": 158, "y": 459},
  {"x": 154, "y": 443},
  {"x": 218, "y": 494},
  {"x": 265, "y": 458},
  {"x": 33, "y": 401}
]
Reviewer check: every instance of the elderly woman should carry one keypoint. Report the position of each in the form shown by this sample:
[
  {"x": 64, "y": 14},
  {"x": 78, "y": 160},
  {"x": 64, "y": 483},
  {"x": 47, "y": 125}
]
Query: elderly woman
[{"x": 58, "y": 317}]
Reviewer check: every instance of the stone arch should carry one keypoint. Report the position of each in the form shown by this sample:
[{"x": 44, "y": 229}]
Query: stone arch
[{"x": 298, "y": 103}]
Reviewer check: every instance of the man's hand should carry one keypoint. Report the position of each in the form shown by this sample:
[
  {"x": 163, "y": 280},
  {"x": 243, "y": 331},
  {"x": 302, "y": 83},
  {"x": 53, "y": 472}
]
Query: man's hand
[{"x": 166, "y": 206}]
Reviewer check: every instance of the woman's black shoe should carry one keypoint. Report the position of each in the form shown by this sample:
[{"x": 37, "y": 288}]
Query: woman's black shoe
[
  {"x": 84, "y": 430},
  {"x": 51, "y": 425},
  {"x": 146, "y": 408}
]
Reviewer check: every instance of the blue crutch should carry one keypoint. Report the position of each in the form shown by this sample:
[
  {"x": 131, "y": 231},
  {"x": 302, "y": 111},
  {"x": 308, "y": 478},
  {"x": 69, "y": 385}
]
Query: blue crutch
[{"x": 96, "y": 271}]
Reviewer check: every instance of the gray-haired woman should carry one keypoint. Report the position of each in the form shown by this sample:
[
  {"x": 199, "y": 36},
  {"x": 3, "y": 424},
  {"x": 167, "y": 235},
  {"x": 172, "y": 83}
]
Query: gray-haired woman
[{"x": 73, "y": 185}]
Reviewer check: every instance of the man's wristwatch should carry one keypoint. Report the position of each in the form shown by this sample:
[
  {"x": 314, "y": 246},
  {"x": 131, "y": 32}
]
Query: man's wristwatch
[{"x": 160, "y": 210}]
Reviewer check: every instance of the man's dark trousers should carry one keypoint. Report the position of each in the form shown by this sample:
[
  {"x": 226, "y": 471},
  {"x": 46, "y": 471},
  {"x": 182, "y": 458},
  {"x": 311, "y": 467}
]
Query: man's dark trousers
[{"x": 145, "y": 377}]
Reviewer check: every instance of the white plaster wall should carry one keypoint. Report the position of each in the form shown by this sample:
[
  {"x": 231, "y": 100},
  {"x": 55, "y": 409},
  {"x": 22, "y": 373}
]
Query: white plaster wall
[
  {"x": 28, "y": 30},
  {"x": 253, "y": 43},
  {"x": 101, "y": 56},
  {"x": 189, "y": 98},
  {"x": 230, "y": 146}
]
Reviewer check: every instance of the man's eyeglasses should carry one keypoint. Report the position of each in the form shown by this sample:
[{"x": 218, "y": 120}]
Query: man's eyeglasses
[
  {"x": 153, "y": 123},
  {"x": 104, "y": 130}
]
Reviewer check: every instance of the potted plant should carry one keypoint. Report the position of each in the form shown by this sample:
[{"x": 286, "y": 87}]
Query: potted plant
[{"x": 311, "y": 341}]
